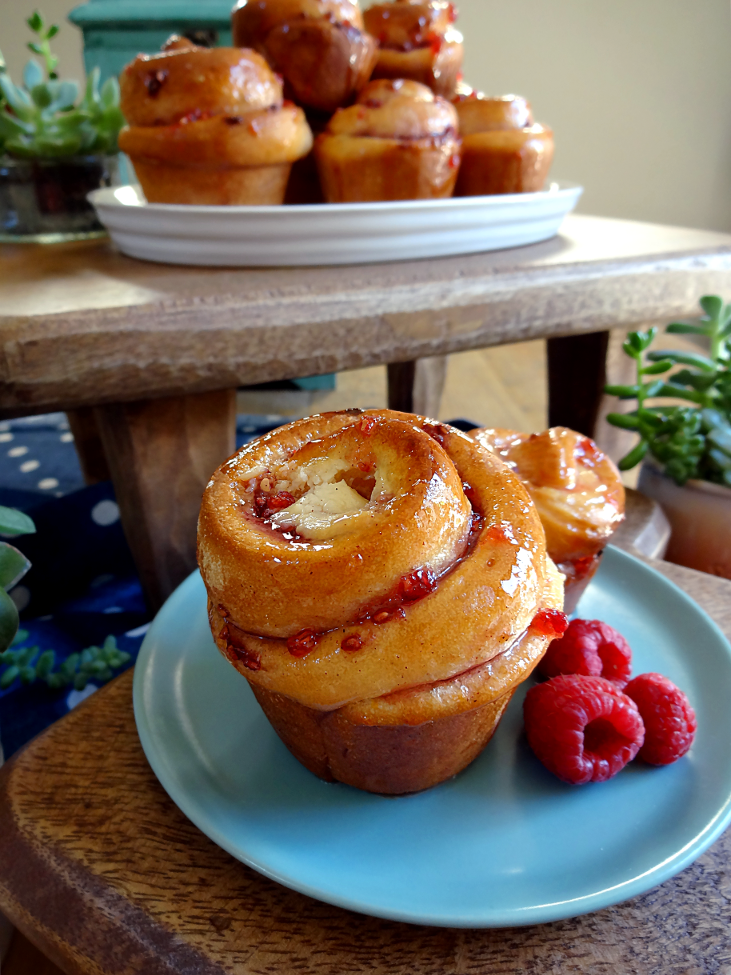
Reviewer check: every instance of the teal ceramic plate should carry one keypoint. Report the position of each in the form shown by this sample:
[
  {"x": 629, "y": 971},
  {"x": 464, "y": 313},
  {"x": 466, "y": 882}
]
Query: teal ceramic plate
[{"x": 504, "y": 843}]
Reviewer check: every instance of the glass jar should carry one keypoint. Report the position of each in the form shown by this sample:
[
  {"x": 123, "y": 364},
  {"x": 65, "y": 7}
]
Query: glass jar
[{"x": 44, "y": 200}]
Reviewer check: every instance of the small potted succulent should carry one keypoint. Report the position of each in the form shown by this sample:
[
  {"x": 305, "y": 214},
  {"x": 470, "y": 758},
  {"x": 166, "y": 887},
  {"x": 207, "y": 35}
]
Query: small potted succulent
[
  {"x": 685, "y": 444},
  {"x": 55, "y": 147}
]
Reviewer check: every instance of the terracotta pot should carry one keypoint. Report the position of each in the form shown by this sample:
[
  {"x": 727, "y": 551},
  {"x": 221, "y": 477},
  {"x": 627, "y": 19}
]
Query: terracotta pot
[{"x": 699, "y": 513}]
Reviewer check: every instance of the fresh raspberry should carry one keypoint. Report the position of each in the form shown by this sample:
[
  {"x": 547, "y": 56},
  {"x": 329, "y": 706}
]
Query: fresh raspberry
[
  {"x": 583, "y": 729},
  {"x": 591, "y": 648},
  {"x": 670, "y": 722}
]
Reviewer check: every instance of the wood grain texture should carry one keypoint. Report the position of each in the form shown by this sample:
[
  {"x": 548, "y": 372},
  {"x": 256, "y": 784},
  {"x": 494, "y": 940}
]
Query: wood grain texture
[
  {"x": 102, "y": 872},
  {"x": 81, "y": 324},
  {"x": 161, "y": 454}
]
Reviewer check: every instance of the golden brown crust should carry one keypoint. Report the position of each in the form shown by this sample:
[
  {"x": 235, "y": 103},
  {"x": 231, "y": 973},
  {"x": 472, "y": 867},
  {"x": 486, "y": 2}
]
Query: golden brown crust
[
  {"x": 503, "y": 150},
  {"x": 409, "y": 740},
  {"x": 576, "y": 488},
  {"x": 505, "y": 161},
  {"x": 253, "y": 139},
  {"x": 432, "y": 577},
  {"x": 398, "y": 142},
  {"x": 318, "y": 46},
  {"x": 209, "y": 127},
  {"x": 478, "y": 113},
  {"x": 417, "y": 42},
  {"x": 195, "y": 82},
  {"x": 489, "y": 586}
]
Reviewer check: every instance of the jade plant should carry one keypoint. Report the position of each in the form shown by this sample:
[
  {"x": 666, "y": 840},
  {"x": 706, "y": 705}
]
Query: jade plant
[
  {"x": 690, "y": 439},
  {"x": 44, "y": 118},
  {"x": 13, "y": 566},
  {"x": 28, "y": 664}
]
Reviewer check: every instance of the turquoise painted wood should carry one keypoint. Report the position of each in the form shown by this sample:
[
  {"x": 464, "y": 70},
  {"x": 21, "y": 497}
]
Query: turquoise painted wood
[{"x": 115, "y": 31}]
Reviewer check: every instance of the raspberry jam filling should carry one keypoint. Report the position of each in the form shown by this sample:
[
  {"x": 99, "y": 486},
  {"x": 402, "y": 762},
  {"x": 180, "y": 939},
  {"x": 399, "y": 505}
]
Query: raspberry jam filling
[{"x": 550, "y": 622}]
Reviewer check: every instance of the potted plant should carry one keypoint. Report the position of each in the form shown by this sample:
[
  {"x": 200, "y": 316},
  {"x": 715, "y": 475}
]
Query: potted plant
[
  {"x": 685, "y": 444},
  {"x": 55, "y": 147}
]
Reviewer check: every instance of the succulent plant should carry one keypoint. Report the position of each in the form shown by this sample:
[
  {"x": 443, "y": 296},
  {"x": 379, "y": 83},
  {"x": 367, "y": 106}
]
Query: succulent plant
[
  {"x": 692, "y": 440},
  {"x": 13, "y": 566},
  {"x": 45, "y": 118}
]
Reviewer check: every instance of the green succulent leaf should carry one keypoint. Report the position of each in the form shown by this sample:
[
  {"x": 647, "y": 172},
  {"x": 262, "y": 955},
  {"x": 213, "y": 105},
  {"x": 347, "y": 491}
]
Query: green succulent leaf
[
  {"x": 14, "y": 522},
  {"x": 18, "y": 99},
  {"x": 13, "y": 566},
  {"x": 8, "y": 676},
  {"x": 684, "y": 358},
  {"x": 8, "y": 620},
  {"x": 625, "y": 421},
  {"x": 623, "y": 392},
  {"x": 657, "y": 367},
  {"x": 712, "y": 305},
  {"x": 35, "y": 22},
  {"x": 685, "y": 328},
  {"x": 32, "y": 75}
]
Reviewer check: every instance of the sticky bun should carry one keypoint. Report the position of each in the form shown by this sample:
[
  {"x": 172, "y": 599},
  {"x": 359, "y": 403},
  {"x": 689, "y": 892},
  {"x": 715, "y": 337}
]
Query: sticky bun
[
  {"x": 398, "y": 142},
  {"x": 417, "y": 41},
  {"x": 382, "y": 583},
  {"x": 319, "y": 47},
  {"x": 575, "y": 487},
  {"x": 503, "y": 150},
  {"x": 209, "y": 126}
]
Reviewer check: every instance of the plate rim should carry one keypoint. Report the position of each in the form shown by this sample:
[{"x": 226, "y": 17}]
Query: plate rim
[
  {"x": 634, "y": 886},
  {"x": 556, "y": 190}
]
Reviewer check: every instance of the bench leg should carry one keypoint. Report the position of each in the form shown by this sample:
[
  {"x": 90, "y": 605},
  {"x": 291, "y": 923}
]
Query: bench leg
[
  {"x": 576, "y": 377},
  {"x": 161, "y": 454},
  {"x": 89, "y": 447},
  {"x": 417, "y": 386}
]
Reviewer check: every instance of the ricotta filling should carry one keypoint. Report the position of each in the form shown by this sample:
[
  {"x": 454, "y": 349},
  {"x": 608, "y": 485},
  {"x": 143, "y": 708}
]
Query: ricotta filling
[{"x": 326, "y": 510}]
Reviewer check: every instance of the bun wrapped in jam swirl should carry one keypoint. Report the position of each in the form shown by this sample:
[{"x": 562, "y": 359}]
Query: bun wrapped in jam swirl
[
  {"x": 504, "y": 151},
  {"x": 417, "y": 41},
  {"x": 209, "y": 126},
  {"x": 577, "y": 490},
  {"x": 318, "y": 46},
  {"x": 398, "y": 142},
  {"x": 383, "y": 584}
]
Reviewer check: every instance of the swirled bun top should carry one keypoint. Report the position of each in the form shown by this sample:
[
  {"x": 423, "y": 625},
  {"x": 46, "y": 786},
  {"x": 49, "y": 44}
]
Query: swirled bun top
[
  {"x": 387, "y": 529},
  {"x": 254, "y": 19},
  {"x": 480, "y": 113},
  {"x": 407, "y": 24},
  {"x": 577, "y": 489},
  {"x": 189, "y": 82},
  {"x": 399, "y": 109},
  {"x": 318, "y": 46}
]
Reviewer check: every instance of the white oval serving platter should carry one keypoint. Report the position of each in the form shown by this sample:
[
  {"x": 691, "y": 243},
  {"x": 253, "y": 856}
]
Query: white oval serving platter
[{"x": 340, "y": 233}]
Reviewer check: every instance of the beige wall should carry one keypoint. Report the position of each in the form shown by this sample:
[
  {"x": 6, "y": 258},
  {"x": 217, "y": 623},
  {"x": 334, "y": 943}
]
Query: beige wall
[{"x": 638, "y": 92}]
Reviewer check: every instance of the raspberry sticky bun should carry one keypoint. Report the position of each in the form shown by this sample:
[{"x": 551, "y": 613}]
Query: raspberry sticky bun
[
  {"x": 382, "y": 583},
  {"x": 319, "y": 47},
  {"x": 576, "y": 489},
  {"x": 398, "y": 142},
  {"x": 417, "y": 41},
  {"x": 504, "y": 151},
  {"x": 209, "y": 126}
]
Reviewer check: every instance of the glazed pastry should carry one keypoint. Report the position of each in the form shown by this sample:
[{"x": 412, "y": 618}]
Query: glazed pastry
[
  {"x": 578, "y": 492},
  {"x": 319, "y": 47},
  {"x": 503, "y": 150},
  {"x": 209, "y": 126},
  {"x": 382, "y": 583},
  {"x": 418, "y": 42},
  {"x": 398, "y": 142}
]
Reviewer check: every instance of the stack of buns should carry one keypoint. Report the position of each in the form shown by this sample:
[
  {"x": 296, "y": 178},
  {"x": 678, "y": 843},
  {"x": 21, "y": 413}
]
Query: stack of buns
[{"x": 235, "y": 125}]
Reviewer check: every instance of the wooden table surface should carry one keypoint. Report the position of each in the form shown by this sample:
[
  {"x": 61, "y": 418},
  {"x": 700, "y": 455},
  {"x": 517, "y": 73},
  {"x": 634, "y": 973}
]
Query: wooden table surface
[
  {"x": 81, "y": 324},
  {"x": 104, "y": 874}
]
